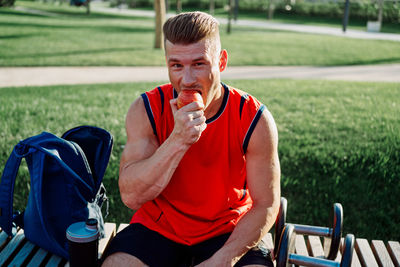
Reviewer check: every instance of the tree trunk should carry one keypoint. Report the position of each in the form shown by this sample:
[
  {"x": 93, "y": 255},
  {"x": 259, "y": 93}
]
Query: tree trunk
[
  {"x": 235, "y": 17},
  {"x": 230, "y": 15},
  {"x": 346, "y": 14},
  {"x": 380, "y": 12},
  {"x": 212, "y": 7},
  {"x": 87, "y": 7},
  {"x": 271, "y": 9},
  {"x": 178, "y": 6},
  {"x": 159, "y": 8}
]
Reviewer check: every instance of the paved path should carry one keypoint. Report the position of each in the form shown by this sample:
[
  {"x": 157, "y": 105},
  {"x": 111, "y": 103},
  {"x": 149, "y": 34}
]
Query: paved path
[
  {"x": 40, "y": 76},
  {"x": 336, "y": 31}
]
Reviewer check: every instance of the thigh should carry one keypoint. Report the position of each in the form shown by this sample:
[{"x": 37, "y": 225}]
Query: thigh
[
  {"x": 257, "y": 256},
  {"x": 146, "y": 245},
  {"x": 122, "y": 259},
  {"x": 206, "y": 249}
]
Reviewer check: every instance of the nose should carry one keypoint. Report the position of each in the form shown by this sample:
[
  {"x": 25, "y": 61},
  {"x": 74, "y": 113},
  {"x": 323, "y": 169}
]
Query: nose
[{"x": 188, "y": 77}]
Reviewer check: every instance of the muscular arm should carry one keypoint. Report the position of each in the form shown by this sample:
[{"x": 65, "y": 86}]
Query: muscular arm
[
  {"x": 147, "y": 167},
  {"x": 263, "y": 179}
]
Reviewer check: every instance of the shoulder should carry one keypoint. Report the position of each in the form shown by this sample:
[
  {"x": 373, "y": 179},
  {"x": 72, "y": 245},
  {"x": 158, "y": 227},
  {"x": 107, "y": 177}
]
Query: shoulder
[
  {"x": 265, "y": 136},
  {"x": 165, "y": 90},
  {"x": 243, "y": 99},
  {"x": 257, "y": 121},
  {"x": 136, "y": 116},
  {"x": 141, "y": 113},
  {"x": 235, "y": 93}
]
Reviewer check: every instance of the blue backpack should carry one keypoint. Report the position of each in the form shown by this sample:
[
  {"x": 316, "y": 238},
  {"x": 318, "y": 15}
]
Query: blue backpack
[{"x": 65, "y": 185}]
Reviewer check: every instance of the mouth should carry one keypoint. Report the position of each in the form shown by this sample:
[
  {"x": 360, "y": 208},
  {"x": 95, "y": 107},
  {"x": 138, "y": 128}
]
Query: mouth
[{"x": 196, "y": 90}]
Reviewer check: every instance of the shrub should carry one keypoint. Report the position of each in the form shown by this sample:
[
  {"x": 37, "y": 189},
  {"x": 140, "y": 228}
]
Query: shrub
[
  {"x": 6, "y": 3},
  {"x": 358, "y": 9}
]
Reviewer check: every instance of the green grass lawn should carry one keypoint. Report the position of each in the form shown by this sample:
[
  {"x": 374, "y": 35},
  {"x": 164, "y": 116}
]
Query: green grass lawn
[
  {"x": 339, "y": 142},
  {"x": 65, "y": 36}
]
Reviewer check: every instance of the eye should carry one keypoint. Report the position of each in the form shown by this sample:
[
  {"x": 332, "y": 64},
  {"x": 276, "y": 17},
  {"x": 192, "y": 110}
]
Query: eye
[{"x": 176, "y": 65}]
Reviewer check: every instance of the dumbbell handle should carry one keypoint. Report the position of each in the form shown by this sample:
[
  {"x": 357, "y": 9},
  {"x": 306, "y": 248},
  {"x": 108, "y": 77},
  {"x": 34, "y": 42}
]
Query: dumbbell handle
[
  {"x": 301, "y": 260},
  {"x": 312, "y": 230}
]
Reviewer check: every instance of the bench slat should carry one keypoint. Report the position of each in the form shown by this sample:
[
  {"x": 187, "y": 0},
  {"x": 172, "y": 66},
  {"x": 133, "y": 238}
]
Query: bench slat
[
  {"x": 314, "y": 246},
  {"x": 109, "y": 229},
  {"x": 268, "y": 241},
  {"x": 11, "y": 247},
  {"x": 381, "y": 254},
  {"x": 122, "y": 226},
  {"x": 327, "y": 246},
  {"x": 54, "y": 261},
  {"x": 365, "y": 254},
  {"x": 25, "y": 251},
  {"x": 37, "y": 260},
  {"x": 300, "y": 245},
  {"x": 393, "y": 248},
  {"x": 3, "y": 239}
]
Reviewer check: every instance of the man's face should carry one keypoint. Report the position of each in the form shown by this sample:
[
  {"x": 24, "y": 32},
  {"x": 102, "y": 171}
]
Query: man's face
[{"x": 194, "y": 67}]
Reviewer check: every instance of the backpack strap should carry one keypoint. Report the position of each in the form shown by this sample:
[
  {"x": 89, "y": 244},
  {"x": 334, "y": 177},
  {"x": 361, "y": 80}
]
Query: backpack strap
[
  {"x": 7, "y": 187},
  {"x": 45, "y": 225},
  {"x": 96, "y": 144}
]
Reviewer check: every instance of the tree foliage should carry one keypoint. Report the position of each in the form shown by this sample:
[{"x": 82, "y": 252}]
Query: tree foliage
[{"x": 6, "y": 3}]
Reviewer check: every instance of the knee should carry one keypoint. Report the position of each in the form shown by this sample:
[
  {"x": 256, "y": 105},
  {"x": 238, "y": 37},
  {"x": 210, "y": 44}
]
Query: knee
[{"x": 122, "y": 259}]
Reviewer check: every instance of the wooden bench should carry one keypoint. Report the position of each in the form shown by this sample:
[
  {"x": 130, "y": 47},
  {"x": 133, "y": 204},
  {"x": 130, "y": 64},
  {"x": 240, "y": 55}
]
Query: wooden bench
[{"x": 18, "y": 251}]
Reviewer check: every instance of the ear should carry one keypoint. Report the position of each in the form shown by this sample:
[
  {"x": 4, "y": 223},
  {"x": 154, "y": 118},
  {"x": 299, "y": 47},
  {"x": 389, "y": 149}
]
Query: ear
[{"x": 223, "y": 60}]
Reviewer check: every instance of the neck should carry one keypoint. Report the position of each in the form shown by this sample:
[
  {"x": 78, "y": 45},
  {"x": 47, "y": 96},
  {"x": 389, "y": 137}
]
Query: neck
[{"x": 216, "y": 101}]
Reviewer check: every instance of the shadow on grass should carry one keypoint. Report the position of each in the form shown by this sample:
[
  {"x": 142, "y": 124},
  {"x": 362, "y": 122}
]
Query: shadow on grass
[
  {"x": 71, "y": 53},
  {"x": 20, "y": 36},
  {"x": 106, "y": 29},
  {"x": 376, "y": 61},
  {"x": 81, "y": 14},
  {"x": 19, "y": 13},
  {"x": 95, "y": 15}
]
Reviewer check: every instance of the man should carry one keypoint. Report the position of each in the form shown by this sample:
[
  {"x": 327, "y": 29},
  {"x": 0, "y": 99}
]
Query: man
[{"x": 204, "y": 179}]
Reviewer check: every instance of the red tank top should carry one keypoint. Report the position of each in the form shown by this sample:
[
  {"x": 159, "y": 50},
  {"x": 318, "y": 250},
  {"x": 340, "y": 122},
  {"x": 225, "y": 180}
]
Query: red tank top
[{"x": 207, "y": 194}]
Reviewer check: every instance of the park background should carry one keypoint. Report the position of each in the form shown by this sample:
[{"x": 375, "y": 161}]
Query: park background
[{"x": 339, "y": 140}]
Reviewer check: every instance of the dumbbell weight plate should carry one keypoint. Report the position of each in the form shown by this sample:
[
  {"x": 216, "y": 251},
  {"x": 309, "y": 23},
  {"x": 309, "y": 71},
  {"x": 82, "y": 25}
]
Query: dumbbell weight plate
[
  {"x": 336, "y": 231},
  {"x": 348, "y": 250},
  {"x": 286, "y": 246},
  {"x": 280, "y": 223}
]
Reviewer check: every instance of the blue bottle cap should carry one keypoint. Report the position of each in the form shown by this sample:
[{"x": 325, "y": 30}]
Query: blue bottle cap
[{"x": 83, "y": 232}]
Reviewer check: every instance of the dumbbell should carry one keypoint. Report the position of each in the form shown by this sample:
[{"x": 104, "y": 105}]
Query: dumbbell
[
  {"x": 335, "y": 233},
  {"x": 286, "y": 256}
]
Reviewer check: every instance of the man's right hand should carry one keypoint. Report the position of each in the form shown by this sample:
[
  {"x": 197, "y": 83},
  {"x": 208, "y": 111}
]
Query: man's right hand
[
  {"x": 190, "y": 122},
  {"x": 146, "y": 166}
]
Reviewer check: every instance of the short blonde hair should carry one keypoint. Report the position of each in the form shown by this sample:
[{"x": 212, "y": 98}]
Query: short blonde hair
[{"x": 190, "y": 27}]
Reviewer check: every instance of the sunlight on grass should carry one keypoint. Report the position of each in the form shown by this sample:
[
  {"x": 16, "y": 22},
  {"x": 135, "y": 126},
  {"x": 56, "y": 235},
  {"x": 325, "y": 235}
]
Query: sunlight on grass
[{"x": 68, "y": 37}]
